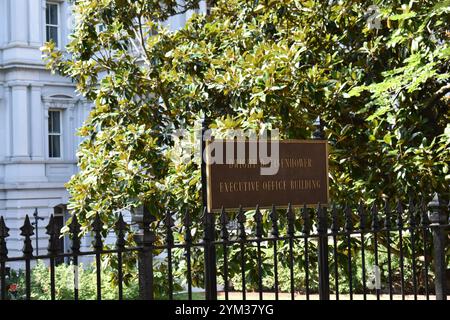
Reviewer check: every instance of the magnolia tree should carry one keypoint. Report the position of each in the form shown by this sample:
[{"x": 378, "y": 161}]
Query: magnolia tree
[{"x": 376, "y": 72}]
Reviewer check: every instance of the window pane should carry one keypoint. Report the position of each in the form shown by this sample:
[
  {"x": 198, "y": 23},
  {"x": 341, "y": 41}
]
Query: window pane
[
  {"x": 54, "y": 146},
  {"x": 50, "y": 122},
  {"x": 47, "y": 14},
  {"x": 52, "y": 34},
  {"x": 54, "y": 122},
  {"x": 51, "y": 14}
]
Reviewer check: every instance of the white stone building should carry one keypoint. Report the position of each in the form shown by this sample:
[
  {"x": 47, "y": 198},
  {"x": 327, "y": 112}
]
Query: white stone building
[{"x": 39, "y": 115}]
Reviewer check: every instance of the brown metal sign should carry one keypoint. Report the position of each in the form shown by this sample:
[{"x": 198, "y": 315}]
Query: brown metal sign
[{"x": 301, "y": 178}]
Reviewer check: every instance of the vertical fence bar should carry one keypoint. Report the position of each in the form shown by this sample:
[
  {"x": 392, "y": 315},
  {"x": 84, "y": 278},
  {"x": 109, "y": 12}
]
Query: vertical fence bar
[
  {"x": 224, "y": 235},
  {"x": 275, "y": 234},
  {"x": 27, "y": 231},
  {"x": 335, "y": 231},
  {"x": 412, "y": 227},
  {"x": 362, "y": 230},
  {"x": 187, "y": 221},
  {"x": 291, "y": 232},
  {"x": 52, "y": 279},
  {"x": 387, "y": 227},
  {"x": 210, "y": 256},
  {"x": 242, "y": 238},
  {"x": 121, "y": 228},
  {"x": 4, "y": 233},
  {"x": 438, "y": 216},
  {"x": 259, "y": 235},
  {"x": 425, "y": 224},
  {"x": 375, "y": 230},
  {"x": 306, "y": 230},
  {"x": 53, "y": 248},
  {"x": 400, "y": 244},
  {"x": 169, "y": 224},
  {"x": 74, "y": 229},
  {"x": 324, "y": 275},
  {"x": 97, "y": 227},
  {"x": 349, "y": 229}
]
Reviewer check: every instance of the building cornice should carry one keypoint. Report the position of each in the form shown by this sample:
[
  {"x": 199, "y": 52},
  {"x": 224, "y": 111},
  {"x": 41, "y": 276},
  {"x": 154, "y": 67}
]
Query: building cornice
[
  {"x": 22, "y": 45},
  {"x": 31, "y": 185},
  {"x": 10, "y": 162},
  {"x": 22, "y": 64},
  {"x": 33, "y": 83}
]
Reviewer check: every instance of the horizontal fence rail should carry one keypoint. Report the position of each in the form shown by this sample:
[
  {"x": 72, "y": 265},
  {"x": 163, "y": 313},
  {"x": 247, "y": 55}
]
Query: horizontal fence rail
[{"x": 337, "y": 252}]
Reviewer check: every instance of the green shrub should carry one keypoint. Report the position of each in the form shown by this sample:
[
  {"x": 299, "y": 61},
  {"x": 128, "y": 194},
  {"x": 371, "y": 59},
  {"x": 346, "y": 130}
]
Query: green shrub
[{"x": 87, "y": 284}]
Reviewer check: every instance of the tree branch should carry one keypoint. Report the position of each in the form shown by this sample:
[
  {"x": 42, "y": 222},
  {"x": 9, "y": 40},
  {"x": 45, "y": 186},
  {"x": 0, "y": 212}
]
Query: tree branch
[{"x": 438, "y": 96}]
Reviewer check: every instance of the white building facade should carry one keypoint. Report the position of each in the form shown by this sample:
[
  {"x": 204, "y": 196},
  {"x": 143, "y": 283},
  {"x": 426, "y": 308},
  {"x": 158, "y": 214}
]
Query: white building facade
[{"x": 39, "y": 116}]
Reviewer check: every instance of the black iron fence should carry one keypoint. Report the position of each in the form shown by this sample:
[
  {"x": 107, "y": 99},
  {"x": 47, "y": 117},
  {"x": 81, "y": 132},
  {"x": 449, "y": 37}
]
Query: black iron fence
[{"x": 297, "y": 253}]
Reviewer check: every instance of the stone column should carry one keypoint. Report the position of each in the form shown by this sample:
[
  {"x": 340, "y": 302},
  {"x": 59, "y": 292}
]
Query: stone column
[
  {"x": 3, "y": 121},
  {"x": 19, "y": 22},
  {"x": 38, "y": 133},
  {"x": 20, "y": 124},
  {"x": 35, "y": 22}
]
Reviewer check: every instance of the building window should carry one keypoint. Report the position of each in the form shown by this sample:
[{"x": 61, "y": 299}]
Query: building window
[
  {"x": 209, "y": 4},
  {"x": 54, "y": 134},
  {"x": 52, "y": 22}
]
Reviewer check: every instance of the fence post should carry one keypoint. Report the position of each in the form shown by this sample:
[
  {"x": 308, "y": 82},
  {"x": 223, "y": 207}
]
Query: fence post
[
  {"x": 324, "y": 274},
  {"x": 208, "y": 220},
  {"x": 145, "y": 238},
  {"x": 438, "y": 216}
]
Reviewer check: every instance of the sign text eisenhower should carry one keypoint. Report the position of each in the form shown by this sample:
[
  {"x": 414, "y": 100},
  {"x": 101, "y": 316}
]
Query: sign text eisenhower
[{"x": 301, "y": 178}]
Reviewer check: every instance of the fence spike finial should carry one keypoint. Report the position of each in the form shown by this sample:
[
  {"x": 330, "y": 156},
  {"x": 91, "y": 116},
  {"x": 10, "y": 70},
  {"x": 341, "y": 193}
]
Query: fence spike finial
[
  {"x": 362, "y": 216},
  {"x": 4, "y": 230},
  {"x": 4, "y": 233},
  {"x": 241, "y": 220},
  {"x": 274, "y": 219},
  {"x": 207, "y": 236},
  {"x": 348, "y": 219},
  {"x": 334, "y": 219},
  {"x": 375, "y": 221},
  {"x": 258, "y": 219},
  {"x": 411, "y": 213},
  {"x": 121, "y": 228},
  {"x": 97, "y": 227},
  {"x": 187, "y": 221},
  {"x": 27, "y": 230},
  {"x": 399, "y": 215},
  {"x": 223, "y": 225},
  {"x": 53, "y": 233},
  {"x": 424, "y": 220},
  {"x": 291, "y": 220},
  {"x": 75, "y": 229},
  {"x": 169, "y": 222},
  {"x": 306, "y": 228},
  {"x": 321, "y": 219},
  {"x": 387, "y": 212}
]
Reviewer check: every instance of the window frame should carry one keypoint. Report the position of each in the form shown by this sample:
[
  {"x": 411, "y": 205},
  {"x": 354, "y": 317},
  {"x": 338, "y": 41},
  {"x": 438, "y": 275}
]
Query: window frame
[
  {"x": 58, "y": 22},
  {"x": 60, "y": 135}
]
